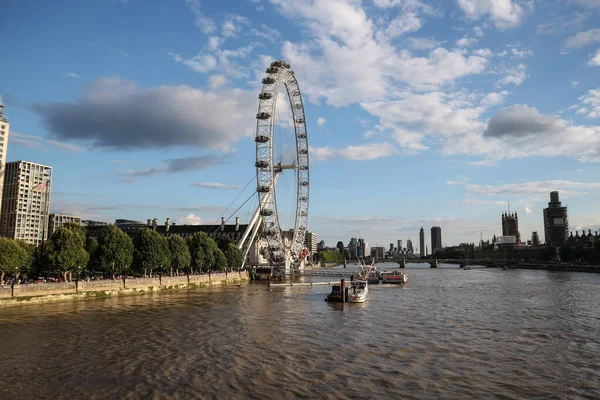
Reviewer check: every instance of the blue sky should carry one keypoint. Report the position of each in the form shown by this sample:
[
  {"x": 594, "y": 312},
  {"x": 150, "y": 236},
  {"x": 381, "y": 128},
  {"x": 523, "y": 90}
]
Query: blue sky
[{"x": 419, "y": 113}]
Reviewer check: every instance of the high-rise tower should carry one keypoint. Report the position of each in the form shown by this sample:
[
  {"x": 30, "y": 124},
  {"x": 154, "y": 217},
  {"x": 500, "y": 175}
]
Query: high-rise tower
[
  {"x": 436, "y": 238},
  {"x": 422, "y": 242},
  {"x": 556, "y": 221},
  {"x": 4, "y": 129},
  {"x": 26, "y": 201}
]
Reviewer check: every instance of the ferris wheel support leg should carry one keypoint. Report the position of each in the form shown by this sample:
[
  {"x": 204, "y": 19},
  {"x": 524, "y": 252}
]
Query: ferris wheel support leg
[
  {"x": 252, "y": 237},
  {"x": 254, "y": 221}
]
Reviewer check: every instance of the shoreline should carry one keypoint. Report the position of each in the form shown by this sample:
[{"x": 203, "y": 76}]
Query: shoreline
[{"x": 85, "y": 291}]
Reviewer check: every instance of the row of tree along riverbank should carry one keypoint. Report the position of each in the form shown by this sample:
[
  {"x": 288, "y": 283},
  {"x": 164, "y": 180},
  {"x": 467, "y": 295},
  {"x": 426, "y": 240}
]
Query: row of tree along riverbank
[
  {"x": 69, "y": 252},
  {"x": 49, "y": 292}
]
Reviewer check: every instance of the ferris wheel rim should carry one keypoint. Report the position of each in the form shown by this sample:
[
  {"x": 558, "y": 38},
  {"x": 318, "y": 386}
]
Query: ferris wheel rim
[{"x": 279, "y": 73}]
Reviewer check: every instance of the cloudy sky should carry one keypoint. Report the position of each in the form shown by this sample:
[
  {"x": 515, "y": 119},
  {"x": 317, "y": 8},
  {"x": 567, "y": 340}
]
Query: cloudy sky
[{"x": 419, "y": 113}]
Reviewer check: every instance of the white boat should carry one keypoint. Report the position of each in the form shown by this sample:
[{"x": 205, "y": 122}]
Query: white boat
[
  {"x": 358, "y": 291},
  {"x": 394, "y": 277}
]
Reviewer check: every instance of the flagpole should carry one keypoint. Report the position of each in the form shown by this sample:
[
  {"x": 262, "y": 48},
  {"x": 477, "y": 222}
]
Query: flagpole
[{"x": 44, "y": 222}]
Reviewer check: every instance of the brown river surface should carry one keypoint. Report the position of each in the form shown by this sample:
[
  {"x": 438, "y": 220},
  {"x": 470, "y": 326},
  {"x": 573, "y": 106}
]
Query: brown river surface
[{"x": 448, "y": 333}]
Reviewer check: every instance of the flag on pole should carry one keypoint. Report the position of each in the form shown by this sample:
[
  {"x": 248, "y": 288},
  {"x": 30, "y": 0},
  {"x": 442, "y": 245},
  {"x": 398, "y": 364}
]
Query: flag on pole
[{"x": 40, "y": 187}]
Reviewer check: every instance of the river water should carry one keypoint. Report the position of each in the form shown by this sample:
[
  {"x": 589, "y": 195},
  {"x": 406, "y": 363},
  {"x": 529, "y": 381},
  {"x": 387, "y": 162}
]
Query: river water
[{"x": 448, "y": 333}]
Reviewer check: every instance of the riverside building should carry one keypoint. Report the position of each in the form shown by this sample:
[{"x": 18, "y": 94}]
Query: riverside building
[
  {"x": 26, "y": 201},
  {"x": 57, "y": 220},
  {"x": 556, "y": 222},
  {"x": 4, "y": 129}
]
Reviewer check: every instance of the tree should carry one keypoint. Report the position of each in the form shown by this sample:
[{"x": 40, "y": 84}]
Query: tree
[
  {"x": 28, "y": 260},
  {"x": 180, "y": 253},
  {"x": 11, "y": 258},
  {"x": 66, "y": 253},
  {"x": 115, "y": 251},
  {"x": 151, "y": 251},
  {"x": 234, "y": 256},
  {"x": 220, "y": 260},
  {"x": 203, "y": 251},
  {"x": 91, "y": 246},
  {"x": 223, "y": 242},
  {"x": 78, "y": 230}
]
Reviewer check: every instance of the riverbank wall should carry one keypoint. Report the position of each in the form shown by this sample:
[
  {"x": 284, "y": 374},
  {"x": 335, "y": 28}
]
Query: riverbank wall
[{"x": 79, "y": 290}]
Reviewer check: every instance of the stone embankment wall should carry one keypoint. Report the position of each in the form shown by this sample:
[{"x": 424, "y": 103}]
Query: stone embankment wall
[{"x": 44, "y": 292}]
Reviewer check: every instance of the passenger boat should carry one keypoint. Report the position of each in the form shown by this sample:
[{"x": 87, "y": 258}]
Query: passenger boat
[
  {"x": 394, "y": 277},
  {"x": 358, "y": 291}
]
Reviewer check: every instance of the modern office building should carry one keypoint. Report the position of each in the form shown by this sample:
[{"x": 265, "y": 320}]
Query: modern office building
[
  {"x": 353, "y": 248},
  {"x": 422, "y": 242},
  {"x": 321, "y": 245},
  {"x": 409, "y": 246},
  {"x": 360, "y": 248},
  {"x": 510, "y": 226},
  {"x": 378, "y": 252},
  {"x": 4, "y": 129},
  {"x": 436, "y": 238},
  {"x": 310, "y": 242},
  {"x": 26, "y": 201},
  {"x": 556, "y": 222},
  {"x": 340, "y": 247},
  {"x": 400, "y": 245},
  {"x": 57, "y": 220}
]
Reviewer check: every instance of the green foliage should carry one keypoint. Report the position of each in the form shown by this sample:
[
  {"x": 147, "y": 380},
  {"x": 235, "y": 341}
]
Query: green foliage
[
  {"x": 65, "y": 251},
  {"x": 223, "y": 242},
  {"x": 78, "y": 230},
  {"x": 28, "y": 257},
  {"x": 234, "y": 256},
  {"x": 12, "y": 257},
  {"x": 180, "y": 253},
  {"x": 329, "y": 256},
  {"x": 115, "y": 248},
  {"x": 203, "y": 251},
  {"x": 151, "y": 251},
  {"x": 220, "y": 260},
  {"x": 91, "y": 245}
]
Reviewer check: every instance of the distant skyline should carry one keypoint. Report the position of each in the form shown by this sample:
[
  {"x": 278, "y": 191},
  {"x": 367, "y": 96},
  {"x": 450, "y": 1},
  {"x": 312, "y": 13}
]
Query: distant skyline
[{"x": 419, "y": 113}]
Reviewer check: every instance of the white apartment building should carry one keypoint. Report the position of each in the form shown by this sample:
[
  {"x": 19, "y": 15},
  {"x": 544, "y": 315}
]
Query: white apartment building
[
  {"x": 310, "y": 242},
  {"x": 4, "y": 129},
  {"x": 57, "y": 220},
  {"x": 26, "y": 201}
]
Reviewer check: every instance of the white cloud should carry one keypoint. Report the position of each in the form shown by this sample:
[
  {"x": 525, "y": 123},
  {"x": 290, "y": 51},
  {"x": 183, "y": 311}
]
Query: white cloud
[
  {"x": 483, "y": 202},
  {"x": 216, "y": 81},
  {"x": 486, "y": 53},
  {"x": 410, "y": 141},
  {"x": 264, "y": 32},
  {"x": 512, "y": 75},
  {"x": 518, "y": 53},
  {"x": 574, "y": 83},
  {"x": 591, "y": 103},
  {"x": 534, "y": 188},
  {"x": 321, "y": 121},
  {"x": 214, "y": 185},
  {"x": 502, "y": 53},
  {"x": 355, "y": 153},
  {"x": 342, "y": 38},
  {"x": 467, "y": 41},
  {"x": 233, "y": 25},
  {"x": 204, "y": 23},
  {"x": 595, "y": 61},
  {"x": 71, "y": 75},
  {"x": 527, "y": 208},
  {"x": 40, "y": 143},
  {"x": 494, "y": 98},
  {"x": 403, "y": 23},
  {"x": 520, "y": 131},
  {"x": 419, "y": 43},
  {"x": 190, "y": 219},
  {"x": 227, "y": 62},
  {"x": 582, "y": 39},
  {"x": 504, "y": 14}
]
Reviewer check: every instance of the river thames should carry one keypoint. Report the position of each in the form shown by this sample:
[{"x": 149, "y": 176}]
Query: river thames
[{"x": 448, "y": 333}]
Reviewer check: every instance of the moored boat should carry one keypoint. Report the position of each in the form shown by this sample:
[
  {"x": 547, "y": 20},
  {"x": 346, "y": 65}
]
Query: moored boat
[{"x": 359, "y": 289}]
